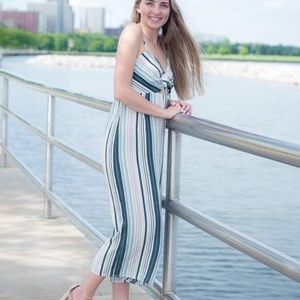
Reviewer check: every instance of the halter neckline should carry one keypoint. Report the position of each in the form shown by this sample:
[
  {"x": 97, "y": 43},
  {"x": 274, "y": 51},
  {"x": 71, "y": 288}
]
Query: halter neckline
[{"x": 146, "y": 49}]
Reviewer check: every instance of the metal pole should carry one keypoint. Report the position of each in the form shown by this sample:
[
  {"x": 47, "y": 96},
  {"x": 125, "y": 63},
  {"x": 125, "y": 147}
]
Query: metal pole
[
  {"x": 49, "y": 156},
  {"x": 171, "y": 221},
  {"x": 3, "y": 156}
]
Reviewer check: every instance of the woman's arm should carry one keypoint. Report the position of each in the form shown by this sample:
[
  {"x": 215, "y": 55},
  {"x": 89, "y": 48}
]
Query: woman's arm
[{"x": 129, "y": 45}]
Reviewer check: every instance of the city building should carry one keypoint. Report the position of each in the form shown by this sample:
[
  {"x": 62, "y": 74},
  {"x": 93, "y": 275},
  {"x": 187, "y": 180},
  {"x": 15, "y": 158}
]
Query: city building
[
  {"x": 47, "y": 15},
  {"x": 20, "y": 19},
  {"x": 0, "y": 13},
  {"x": 114, "y": 31},
  {"x": 92, "y": 19},
  {"x": 65, "y": 17},
  {"x": 54, "y": 16}
]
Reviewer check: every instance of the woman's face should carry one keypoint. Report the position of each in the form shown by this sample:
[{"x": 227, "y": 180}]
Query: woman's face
[{"x": 154, "y": 13}]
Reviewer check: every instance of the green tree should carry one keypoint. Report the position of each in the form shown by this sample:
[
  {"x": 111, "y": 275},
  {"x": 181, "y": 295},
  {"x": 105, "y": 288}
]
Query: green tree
[
  {"x": 233, "y": 48},
  {"x": 224, "y": 47},
  {"x": 210, "y": 48},
  {"x": 223, "y": 50},
  {"x": 110, "y": 44},
  {"x": 4, "y": 38},
  {"x": 243, "y": 50},
  {"x": 80, "y": 42},
  {"x": 16, "y": 38},
  {"x": 45, "y": 42},
  {"x": 96, "y": 46},
  {"x": 61, "y": 42}
]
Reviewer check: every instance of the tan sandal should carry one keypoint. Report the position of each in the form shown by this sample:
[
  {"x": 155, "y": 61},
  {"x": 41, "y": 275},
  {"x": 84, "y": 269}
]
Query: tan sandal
[{"x": 67, "y": 295}]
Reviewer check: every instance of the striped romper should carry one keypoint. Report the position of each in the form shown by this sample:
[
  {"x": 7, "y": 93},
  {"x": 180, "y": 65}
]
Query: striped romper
[{"x": 133, "y": 160}]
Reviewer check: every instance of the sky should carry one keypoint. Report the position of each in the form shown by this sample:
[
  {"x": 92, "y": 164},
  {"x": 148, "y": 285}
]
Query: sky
[{"x": 261, "y": 21}]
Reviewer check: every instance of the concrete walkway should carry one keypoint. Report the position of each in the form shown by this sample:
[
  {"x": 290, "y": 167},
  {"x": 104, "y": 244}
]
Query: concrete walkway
[{"x": 40, "y": 258}]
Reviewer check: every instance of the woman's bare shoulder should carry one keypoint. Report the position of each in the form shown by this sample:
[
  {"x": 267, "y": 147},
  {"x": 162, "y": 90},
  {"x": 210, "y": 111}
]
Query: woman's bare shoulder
[{"x": 132, "y": 34}]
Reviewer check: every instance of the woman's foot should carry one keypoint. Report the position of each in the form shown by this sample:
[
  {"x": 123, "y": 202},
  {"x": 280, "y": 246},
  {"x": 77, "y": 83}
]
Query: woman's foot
[
  {"x": 85, "y": 290},
  {"x": 77, "y": 294}
]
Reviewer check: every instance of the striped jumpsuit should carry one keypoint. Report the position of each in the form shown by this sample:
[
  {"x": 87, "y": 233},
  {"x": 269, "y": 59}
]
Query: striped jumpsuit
[{"x": 133, "y": 160}]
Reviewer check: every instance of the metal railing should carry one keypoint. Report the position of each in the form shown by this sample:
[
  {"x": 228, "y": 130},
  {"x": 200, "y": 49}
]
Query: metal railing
[{"x": 258, "y": 145}]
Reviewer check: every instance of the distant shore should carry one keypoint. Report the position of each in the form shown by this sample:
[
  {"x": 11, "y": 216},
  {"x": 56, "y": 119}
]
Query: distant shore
[{"x": 274, "y": 72}]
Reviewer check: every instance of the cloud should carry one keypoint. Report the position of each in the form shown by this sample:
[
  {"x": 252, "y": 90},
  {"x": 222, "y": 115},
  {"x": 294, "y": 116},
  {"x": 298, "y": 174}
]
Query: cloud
[
  {"x": 289, "y": 6},
  {"x": 274, "y": 4},
  {"x": 86, "y": 3}
]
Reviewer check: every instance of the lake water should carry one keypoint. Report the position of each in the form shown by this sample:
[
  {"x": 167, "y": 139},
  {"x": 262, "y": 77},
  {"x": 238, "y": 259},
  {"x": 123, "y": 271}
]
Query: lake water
[{"x": 254, "y": 195}]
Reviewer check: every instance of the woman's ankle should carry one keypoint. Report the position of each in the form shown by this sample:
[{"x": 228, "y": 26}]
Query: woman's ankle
[{"x": 84, "y": 295}]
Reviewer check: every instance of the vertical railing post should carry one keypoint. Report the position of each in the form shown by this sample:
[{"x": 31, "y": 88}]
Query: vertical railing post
[
  {"x": 49, "y": 155},
  {"x": 3, "y": 156},
  {"x": 172, "y": 193}
]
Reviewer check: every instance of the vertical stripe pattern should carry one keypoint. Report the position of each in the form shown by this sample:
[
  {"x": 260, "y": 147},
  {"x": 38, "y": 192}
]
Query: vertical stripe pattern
[{"x": 133, "y": 160}]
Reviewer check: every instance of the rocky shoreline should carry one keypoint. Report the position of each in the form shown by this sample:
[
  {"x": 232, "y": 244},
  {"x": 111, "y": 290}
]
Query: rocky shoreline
[{"x": 274, "y": 72}]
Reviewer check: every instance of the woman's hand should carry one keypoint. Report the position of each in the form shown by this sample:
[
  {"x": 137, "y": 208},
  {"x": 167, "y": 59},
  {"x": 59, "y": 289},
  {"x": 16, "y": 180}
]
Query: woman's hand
[
  {"x": 185, "y": 107},
  {"x": 172, "y": 110}
]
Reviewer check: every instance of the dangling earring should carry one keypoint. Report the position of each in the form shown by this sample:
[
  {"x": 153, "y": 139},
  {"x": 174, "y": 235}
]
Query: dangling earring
[{"x": 160, "y": 32}]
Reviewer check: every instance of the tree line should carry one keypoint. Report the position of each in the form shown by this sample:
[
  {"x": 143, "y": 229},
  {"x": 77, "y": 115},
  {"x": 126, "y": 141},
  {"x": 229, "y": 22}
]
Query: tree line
[
  {"x": 14, "y": 38},
  {"x": 225, "y": 47}
]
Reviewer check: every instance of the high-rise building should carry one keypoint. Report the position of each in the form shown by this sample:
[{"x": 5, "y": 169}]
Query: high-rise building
[
  {"x": 114, "y": 31},
  {"x": 47, "y": 15},
  {"x": 20, "y": 19},
  {"x": 0, "y": 12},
  {"x": 65, "y": 17},
  {"x": 92, "y": 19},
  {"x": 54, "y": 16}
]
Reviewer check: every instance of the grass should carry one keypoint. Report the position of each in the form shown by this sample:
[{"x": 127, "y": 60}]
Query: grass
[
  {"x": 226, "y": 57},
  {"x": 250, "y": 57}
]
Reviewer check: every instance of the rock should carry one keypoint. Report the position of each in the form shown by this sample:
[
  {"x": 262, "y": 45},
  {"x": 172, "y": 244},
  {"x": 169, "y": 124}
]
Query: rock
[{"x": 274, "y": 72}]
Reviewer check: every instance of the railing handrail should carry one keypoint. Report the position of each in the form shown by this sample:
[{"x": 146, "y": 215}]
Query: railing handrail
[
  {"x": 274, "y": 149},
  {"x": 259, "y": 145},
  {"x": 57, "y": 92}
]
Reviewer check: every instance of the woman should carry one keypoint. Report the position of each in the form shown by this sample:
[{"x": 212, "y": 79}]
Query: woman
[{"x": 154, "y": 53}]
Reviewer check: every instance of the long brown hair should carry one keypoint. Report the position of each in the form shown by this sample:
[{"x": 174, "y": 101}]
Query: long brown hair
[{"x": 182, "y": 51}]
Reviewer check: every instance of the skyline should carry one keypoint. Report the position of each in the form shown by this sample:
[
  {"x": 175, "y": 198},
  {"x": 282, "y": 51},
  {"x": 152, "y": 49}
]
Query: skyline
[{"x": 258, "y": 21}]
